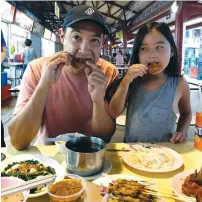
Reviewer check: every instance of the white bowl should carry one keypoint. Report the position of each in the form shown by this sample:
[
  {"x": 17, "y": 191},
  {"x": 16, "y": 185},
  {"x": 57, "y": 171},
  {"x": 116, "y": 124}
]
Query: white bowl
[
  {"x": 10, "y": 181},
  {"x": 61, "y": 144}
]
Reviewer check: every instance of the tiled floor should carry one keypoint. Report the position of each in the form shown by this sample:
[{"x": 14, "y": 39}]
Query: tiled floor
[{"x": 8, "y": 107}]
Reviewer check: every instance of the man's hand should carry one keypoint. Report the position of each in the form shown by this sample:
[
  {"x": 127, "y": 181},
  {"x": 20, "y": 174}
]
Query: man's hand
[
  {"x": 97, "y": 82},
  {"x": 177, "y": 137},
  {"x": 52, "y": 68},
  {"x": 134, "y": 71}
]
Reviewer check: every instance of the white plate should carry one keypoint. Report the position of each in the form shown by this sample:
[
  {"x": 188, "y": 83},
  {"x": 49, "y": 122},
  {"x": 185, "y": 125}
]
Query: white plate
[
  {"x": 177, "y": 159},
  {"x": 60, "y": 173},
  {"x": 177, "y": 182},
  {"x": 106, "y": 169}
]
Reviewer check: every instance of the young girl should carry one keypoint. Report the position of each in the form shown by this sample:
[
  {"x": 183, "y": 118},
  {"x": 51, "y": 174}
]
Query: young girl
[{"x": 153, "y": 89}]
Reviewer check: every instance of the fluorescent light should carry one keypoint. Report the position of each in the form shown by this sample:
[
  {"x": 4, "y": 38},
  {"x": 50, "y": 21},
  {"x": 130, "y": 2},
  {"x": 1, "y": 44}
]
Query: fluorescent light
[
  {"x": 174, "y": 7},
  {"x": 194, "y": 21},
  {"x": 129, "y": 46},
  {"x": 109, "y": 42},
  {"x": 135, "y": 32},
  {"x": 130, "y": 41}
]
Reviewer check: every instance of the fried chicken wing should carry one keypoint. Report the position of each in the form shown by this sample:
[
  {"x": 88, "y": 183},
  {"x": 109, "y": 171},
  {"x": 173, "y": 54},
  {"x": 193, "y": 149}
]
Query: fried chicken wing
[
  {"x": 154, "y": 67},
  {"x": 192, "y": 185}
]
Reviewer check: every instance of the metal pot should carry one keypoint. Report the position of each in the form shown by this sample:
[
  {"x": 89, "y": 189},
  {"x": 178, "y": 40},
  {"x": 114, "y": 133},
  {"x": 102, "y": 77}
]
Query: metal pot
[{"x": 85, "y": 155}]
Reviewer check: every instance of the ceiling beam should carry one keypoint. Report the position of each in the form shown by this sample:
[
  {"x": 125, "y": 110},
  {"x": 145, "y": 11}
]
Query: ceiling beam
[
  {"x": 115, "y": 4},
  {"x": 171, "y": 24},
  {"x": 111, "y": 16},
  {"x": 117, "y": 11},
  {"x": 152, "y": 2},
  {"x": 109, "y": 9},
  {"x": 131, "y": 19},
  {"x": 106, "y": 14},
  {"x": 52, "y": 11},
  {"x": 69, "y": 3},
  {"x": 93, "y": 3},
  {"x": 159, "y": 12},
  {"x": 62, "y": 6},
  {"x": 29, "y": 4},
  {"x": 96, "y": 4},
  {"x": 119, "y": 6},
  {"x": 101, "y": 5},
  {"x": 124, "y": 14},
  {"x": 49, "y": 3},
  {"x": 116, "y": 31},
  {"x": 127, "y": 6},
  {"x": 194, "y": 26}
]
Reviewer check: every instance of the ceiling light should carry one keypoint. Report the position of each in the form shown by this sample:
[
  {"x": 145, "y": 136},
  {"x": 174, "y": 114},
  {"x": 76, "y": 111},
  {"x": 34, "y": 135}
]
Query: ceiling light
[
  {"x": 174, "y": 7},
  {"x": 194, "y": 21}
]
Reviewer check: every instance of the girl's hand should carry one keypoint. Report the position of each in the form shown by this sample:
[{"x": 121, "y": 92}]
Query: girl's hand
[
  {"x": 177, "y": 137},
  {"x": 134, "y": 71}
]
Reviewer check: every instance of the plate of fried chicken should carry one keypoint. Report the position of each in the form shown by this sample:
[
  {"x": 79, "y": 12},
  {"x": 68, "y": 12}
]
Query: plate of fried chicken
[{"x": 188, "y": 184}]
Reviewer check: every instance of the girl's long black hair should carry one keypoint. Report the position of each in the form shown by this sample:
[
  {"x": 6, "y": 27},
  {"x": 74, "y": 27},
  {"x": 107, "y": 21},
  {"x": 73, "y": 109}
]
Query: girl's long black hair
[{"x": 172, "y": 69}]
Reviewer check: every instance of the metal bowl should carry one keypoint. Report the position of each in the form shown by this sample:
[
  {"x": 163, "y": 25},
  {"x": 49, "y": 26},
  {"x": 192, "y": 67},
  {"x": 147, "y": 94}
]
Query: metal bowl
[{"x": 85, "y": 155}]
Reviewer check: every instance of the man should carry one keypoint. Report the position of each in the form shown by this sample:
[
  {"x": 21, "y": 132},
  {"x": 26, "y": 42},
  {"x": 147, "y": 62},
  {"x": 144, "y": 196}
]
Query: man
[
  {"x": 3, "y": 56},
  {"x": 65, "y": 93}
]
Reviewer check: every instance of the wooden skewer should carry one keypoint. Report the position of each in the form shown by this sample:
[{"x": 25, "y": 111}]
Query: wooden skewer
[
  {"x": 170, "y": 196},
  {"x": 166, "y": 192}
]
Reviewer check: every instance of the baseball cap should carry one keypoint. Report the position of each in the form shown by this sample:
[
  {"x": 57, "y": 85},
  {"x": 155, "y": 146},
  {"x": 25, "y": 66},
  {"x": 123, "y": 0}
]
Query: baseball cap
[{"x": 84, "y": 12}]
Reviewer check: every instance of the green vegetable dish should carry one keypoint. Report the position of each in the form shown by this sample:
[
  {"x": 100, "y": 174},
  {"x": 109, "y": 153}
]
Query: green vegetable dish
[{"x": 28, "y": 170}]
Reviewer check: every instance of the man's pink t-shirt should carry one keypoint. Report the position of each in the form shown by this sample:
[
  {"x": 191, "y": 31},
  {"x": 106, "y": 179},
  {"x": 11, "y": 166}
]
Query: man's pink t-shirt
[{"x": 69, "y": 105}]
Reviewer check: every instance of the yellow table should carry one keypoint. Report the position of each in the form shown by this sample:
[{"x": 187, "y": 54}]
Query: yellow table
[{"x": 192, "y": 160}]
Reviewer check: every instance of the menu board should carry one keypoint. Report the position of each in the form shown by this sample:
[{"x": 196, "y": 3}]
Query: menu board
[
  {"x": 7, "y": 11},
  {"x": 38, "y": 29},
  {"x": 47, "y": 34},
  {"x": 23, "y": 21}
]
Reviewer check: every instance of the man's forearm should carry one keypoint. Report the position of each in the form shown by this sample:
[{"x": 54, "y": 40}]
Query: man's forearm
[
  {"x": 183, "y": 123},
  {"x": 25, "y": 125},
  {"x": 102, "y": 124}
]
